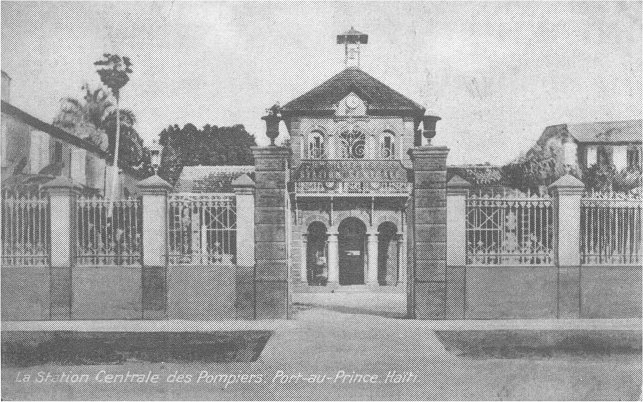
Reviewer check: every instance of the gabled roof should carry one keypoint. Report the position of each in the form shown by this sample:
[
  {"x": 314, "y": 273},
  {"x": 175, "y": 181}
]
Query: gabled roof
[
  {"x": 607, "y": 132},
  {"x": 210, "y": 179},
  {"x": 381, "y": 99}
]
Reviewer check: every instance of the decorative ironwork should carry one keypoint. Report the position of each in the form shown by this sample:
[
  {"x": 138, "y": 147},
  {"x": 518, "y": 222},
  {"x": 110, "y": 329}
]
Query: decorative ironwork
[
  {"x": 387, "y": 146},
  {"x": 108, "y": 239},
  {"x": 352, "y": 144},
  {"x": 509, "y": 230},
  {"x": 316, "y": 146},
  {"x": 611, "y": 229},
  {"x": 202, "y": 228},
  {"x": 25, "y": 229}
]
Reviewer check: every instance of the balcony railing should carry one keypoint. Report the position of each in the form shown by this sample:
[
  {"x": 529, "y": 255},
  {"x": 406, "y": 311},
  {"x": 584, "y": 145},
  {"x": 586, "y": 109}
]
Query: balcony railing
[{"x": 351, "y": 177}]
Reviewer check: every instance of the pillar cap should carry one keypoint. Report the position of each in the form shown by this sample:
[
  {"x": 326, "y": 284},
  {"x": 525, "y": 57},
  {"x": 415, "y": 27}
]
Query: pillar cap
[
  {"x": 243, "y": 181},
  {"x": 153, "y": 184},
  {"x": 458, "y": 182},
  {"x": 271, "y": 150},
  {"x": 567, "y": 183},
  {"x": 428, "y": 150},
  {"x": 62, "y": 183}
]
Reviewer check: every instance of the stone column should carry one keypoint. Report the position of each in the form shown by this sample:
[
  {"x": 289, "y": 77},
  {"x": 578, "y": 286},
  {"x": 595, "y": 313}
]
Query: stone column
[
  {"x": 63, "y": 193},
  {"x": 567, "y": 192},
  {"x": 457, "y": 191},
  {"x": 428, "y": 293},
  {"x": 154, "y": 192},
  {"x": 244, "y": 189},
  {"x": 303, "y": 269},
  {"x": 333, "y": 257},
  {"x": 401, "y": 271},
  {"x": 271, "y": 268},
  {"x": 373, "y": 249}
]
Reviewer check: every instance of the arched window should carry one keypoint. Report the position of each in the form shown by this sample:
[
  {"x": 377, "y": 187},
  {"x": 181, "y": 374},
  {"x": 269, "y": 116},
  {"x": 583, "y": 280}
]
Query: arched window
[
  {"x": 316, "y": 148},
  {"x": 352, "y": 144},
  {"x": 387, "y": 145}
]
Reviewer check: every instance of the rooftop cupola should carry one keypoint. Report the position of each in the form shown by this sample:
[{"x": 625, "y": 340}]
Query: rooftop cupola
[{"x": 352, "y": 39}]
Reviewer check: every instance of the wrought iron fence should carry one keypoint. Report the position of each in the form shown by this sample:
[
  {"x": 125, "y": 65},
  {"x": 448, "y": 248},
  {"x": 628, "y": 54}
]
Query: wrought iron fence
[
  {"x": 25, "y": 229},
  {"x": 513, "y": 229},
  {"x": 108, "y": 239},
  {"x": 611, "y": 229},
  {"x": 202, "y": 228}
]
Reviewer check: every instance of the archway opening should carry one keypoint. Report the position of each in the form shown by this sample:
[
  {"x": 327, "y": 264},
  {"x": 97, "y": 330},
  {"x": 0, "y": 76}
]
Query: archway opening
[
  {"x": 352, "y": 243},
  {"x": 317, "y": 255},
  {"x": 387, "y": 266}
]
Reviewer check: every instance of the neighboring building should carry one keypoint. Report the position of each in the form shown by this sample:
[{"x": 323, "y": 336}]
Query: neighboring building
[
  {"x": 350, "y": 138},
  {"x": 585, "y": 144},
  {"x": 210, "y": 179},
  {"x": 34, "y": 152}
]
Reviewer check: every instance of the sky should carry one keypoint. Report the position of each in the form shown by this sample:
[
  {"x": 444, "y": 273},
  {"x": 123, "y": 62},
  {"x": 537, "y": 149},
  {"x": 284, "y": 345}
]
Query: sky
[{"x": 497, "y": 73}]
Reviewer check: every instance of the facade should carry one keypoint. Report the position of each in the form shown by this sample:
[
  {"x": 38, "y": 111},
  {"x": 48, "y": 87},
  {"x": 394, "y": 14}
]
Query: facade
[
  {"x": 350, "y": 186},
  {"x": 585, "y": 144},
  {"x": 34, "y": 152}
]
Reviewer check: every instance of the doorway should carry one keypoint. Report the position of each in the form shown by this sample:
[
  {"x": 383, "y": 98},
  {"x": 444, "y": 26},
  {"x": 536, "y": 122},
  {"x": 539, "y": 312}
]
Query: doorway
[
  {"x": 316, "y": 260},
  {"x": 351, "y": 239}
]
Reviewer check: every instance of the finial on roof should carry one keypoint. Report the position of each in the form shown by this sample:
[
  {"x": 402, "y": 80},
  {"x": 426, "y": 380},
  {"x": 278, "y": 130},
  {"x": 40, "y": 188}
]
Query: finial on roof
[{"x": 352, "y": 39}]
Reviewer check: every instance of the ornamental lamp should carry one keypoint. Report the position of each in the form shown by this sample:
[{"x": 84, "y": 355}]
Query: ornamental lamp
[
  {"x": 155, "y": 155},
  {"x": 272, "y": 120},
  {"x": 428, "y": 123}
]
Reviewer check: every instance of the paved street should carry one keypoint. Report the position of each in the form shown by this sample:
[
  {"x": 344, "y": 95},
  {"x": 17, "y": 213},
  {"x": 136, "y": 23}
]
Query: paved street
[{"x": 344, "y": 350}]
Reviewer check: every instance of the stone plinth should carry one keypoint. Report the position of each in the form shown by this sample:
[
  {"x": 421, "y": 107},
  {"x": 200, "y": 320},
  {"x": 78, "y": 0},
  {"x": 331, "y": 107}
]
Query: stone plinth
[
  {"x": 567, "y": 192},
  {"x": 271, "y": 269},
  {"x": 154, "y": 192},
  {"x": 429, "y": 226}
]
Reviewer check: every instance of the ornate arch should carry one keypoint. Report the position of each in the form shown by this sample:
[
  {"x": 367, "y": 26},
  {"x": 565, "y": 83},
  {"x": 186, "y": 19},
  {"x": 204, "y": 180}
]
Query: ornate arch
[
  {"x": 387, "y": 217},
  {"x": 321, "y": 218}
]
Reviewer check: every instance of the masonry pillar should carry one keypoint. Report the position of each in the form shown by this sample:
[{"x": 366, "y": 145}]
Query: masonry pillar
[
  {"x": 567, "y": 192},
  {"x": 429, "y": 221},
  {"x": 63, "y": 193},
  {"x": 154, "y": 192},
  {"x": 244, "y": 189},
  {"x": 401, "y": 267},
  {"x": 333, "y": 257},
  {"x": 457, "y": 191},
  {"x": 373, "y": 249},
  {"x": 271, "y": 268},
  {"x": 303, "y": 269}
]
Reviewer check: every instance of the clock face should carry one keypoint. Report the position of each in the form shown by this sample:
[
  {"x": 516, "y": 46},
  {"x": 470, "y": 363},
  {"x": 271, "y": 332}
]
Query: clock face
[{"x": 352, "y": 102}]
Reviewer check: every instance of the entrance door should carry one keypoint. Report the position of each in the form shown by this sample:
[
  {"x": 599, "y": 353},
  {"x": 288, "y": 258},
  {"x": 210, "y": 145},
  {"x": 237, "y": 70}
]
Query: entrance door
[{"x": 352, "y": 235}]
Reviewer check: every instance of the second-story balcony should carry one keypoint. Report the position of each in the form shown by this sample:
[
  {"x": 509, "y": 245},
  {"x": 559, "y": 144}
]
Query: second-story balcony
[{"x": 376, "y": 178}]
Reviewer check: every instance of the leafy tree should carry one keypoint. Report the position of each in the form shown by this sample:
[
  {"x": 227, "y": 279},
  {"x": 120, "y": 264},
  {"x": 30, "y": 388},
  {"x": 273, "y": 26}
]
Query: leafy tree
[
  {"x": 538, "y": 169},
  {"x": 211, "y": 145}
]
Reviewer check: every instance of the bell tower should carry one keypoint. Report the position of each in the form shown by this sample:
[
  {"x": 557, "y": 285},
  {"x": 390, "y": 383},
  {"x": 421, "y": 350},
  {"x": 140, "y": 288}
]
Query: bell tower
[{"x": 352, "y": 39}]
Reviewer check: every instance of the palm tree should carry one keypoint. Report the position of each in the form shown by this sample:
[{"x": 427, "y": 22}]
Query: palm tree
[
  {"x": 97, "y": 110},
  {"x": 114, "y": 73}
]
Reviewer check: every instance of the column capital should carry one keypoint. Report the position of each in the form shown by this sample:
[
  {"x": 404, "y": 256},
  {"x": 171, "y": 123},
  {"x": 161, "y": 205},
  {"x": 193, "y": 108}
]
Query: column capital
[{"x": 154, "y": 185}]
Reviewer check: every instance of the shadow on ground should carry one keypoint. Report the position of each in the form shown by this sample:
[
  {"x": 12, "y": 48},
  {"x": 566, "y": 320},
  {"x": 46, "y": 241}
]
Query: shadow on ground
[
  {"x": 297, "y": 307},
  {"x": 22, "y": 348},
  {"x": 542, "y": 344}
]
